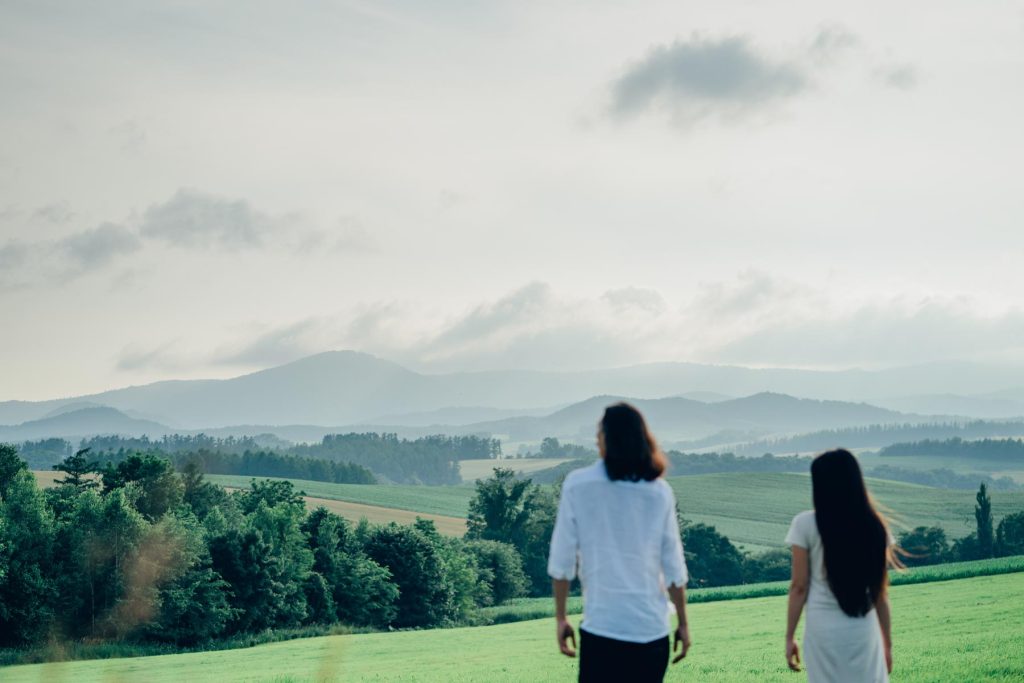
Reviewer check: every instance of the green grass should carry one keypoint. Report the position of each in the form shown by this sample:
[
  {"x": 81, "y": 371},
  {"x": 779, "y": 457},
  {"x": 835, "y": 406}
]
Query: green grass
[
  {"x": 452, "y": 501},
  {"x": 965, "y": 630},
  {"x": 523, "y": 609},
  {"x": 753, "y": 510}
]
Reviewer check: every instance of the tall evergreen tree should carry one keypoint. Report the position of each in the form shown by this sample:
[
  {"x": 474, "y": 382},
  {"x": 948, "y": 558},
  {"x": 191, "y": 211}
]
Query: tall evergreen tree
[
  {"x": 983, "y": 516},
  {"x": 78, "y": 469}
]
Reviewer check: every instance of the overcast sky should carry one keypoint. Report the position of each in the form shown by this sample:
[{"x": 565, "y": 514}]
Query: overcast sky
[{"x": 200, "y": 189}]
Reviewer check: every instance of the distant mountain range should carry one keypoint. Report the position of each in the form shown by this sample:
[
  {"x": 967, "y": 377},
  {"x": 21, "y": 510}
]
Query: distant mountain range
[
  {"x": 349, "y": 388},
  {"x": 81, "y": 422},
  {"x": 672, "y": 419}
]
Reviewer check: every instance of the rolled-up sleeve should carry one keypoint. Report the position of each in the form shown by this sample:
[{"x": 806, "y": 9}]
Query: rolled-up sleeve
[
  {"x": 673, "y": 564},
  {"x": 564, "y": 541}
]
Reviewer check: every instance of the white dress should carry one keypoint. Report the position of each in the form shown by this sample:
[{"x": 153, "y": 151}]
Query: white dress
[{"x": 838, "y": 648}]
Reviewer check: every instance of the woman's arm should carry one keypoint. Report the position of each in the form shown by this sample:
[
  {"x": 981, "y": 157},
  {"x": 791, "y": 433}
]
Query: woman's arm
[
  {"x": 563, "y": 629},
  {"x": 798, "y": 586},
  {"x": 885, "y": 621},
  {"x": 682, "y": 637}
]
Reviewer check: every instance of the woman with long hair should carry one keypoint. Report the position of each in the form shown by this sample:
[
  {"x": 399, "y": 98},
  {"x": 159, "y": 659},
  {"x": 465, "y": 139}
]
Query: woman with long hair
[
  {"x": 841, "y": 555},
  {"x": 617, "y": 531}
]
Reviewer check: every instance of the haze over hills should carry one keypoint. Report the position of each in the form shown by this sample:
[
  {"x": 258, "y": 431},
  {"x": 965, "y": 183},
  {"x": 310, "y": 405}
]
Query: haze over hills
[
  {"x": 671, "y": 418},
  {"x": 80, "y": 422},
  {"x": 345, "y": 387}
]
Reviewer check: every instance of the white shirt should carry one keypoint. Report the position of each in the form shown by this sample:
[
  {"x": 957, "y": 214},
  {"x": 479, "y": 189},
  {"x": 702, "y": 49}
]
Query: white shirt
[
  {"x": 622, "y": 539},
  {"x": 803, "y": 532}
]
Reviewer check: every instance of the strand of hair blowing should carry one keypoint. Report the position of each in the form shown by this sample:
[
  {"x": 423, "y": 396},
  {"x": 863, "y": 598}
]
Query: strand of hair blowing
[{"x": 853, "y": 534}]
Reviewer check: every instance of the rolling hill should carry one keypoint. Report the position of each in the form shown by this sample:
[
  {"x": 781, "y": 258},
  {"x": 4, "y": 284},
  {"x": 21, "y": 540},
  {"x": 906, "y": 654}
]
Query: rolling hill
[{"x": 346, "y": 387}]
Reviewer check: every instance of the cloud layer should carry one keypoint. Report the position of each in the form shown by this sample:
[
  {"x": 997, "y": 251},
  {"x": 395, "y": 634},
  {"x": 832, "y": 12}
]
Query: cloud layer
[{"x": 754, "y": 319}]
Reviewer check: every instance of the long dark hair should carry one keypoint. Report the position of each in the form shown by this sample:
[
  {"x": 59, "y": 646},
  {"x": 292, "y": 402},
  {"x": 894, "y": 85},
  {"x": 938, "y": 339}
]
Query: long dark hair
[
  {"x": 853, "y": 533},
  {"x": 629, "y": 450}
]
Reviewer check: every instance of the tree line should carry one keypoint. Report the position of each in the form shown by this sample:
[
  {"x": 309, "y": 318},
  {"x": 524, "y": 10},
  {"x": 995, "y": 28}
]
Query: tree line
[
  {"x": 247, "y": 464},
  {"x": 142, "y": 553},
  {"x": 881, "y": 434},
  {"x": 984, "y": 449},
  {"x": 338, "y": 458},
  {"x": 432, "y": 460},
  {"x": 929, "y": 545}
]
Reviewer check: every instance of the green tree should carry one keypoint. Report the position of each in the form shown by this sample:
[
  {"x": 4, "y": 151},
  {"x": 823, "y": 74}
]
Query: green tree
[
  {"x": 772, "y": 565},
  {"x": 194, "y": 601},
  {"x": 199, "y": 494},
  {"x": 26, "y": 548},
  {"x": 499, "y": 510},
  {"x": 924, "y": 545},
  {"x": 550, "y": 448},
  {"x": 500, "y": 569},
  {"x": 78, "y": 470},
  {"x": 159, "y": 487},
  {"x": 417, "y": 570},
  {"x": 711, "y": 558},
  {"x": 96, "y": 545},
  {"x": 983, "y": 516},
  {"x": 273, "y": 493},
  {"x": 1010, "y": 535},
  {"x": 516, "y": 511},
  {"x": 361, "y": 589}
]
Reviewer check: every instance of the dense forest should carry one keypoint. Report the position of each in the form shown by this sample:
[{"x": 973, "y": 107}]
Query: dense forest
[
  {"x": 1007, "y": 450},
  {"x": 873, "y": 436},
  {"x": 143, "y": 554},
  {"x": 339, "y": 458},
  {"x": 427, "y": 460}
]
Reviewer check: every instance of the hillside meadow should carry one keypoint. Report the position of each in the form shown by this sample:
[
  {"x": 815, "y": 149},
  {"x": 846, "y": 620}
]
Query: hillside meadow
[
  {"x": 962, "y": 630},
  {"x": 753, "y": 509}
]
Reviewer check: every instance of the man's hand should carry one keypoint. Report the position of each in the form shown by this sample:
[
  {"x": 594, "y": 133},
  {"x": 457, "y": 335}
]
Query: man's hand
[
  {"x": 792, "y": 654},
  {"x": 565, "y": 633},
  {"x": 682, "y": 638},
  {"x": 888, "y": 658}
]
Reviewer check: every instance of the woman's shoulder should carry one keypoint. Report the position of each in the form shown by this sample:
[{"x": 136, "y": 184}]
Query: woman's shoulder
[
  {"x": 802, "y": 529},
  {"x": 805, "y": 517}
]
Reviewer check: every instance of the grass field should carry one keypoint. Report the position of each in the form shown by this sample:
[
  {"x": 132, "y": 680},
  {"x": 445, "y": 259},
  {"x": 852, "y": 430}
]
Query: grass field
[
  {"x": 471, "y": 470},
  {"x": 993, "y": 468},
  {"x": 754, "y": 510},
  {"x": 523, "y": 609},
  {"x": 964, "y": 630}
]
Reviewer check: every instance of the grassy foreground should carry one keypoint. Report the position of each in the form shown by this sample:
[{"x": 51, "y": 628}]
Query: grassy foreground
[
  {"x": 964, "y": 630},
  {"x": 523, "y": 609}
]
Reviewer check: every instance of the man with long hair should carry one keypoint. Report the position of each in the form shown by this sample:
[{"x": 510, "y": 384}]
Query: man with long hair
[{"x": 617, "y": 531}]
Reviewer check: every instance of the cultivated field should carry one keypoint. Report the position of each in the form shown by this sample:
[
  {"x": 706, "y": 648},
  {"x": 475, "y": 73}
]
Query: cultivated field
[
  {"x": 452, "y": 501},
  {"x": 471, "y": 470},
  {"x": 964, "y": 630},
  {"x": 993, "y": 468}
]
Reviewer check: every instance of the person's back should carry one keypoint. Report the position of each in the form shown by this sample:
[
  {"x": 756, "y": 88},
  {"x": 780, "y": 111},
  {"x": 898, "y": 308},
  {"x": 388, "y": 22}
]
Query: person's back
[
  {"x": 627, "y": 540},
  {"x": 617, "y": 531},
  {"x": 840, "y": 557}
]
